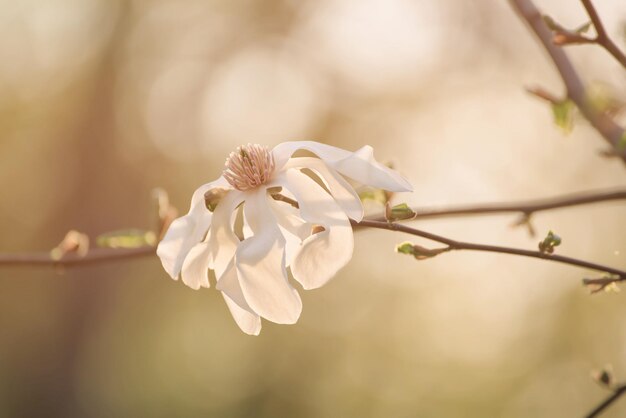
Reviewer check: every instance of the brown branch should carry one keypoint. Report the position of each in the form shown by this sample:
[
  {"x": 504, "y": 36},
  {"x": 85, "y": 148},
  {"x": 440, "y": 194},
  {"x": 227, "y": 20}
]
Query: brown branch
[
  {"x": 600, "y": 283},
  {"x": 105, "y": 254},
  {"x": 525, "y": 208},
  {"x": 461, "y": 245},
  {"x": 603, "y": 123},
  {"x": 601, "y": 36},
  {"x": 617, "y": 392},
  {"x": 95, "y": 256},
  {"x": 563, "y": 38}
]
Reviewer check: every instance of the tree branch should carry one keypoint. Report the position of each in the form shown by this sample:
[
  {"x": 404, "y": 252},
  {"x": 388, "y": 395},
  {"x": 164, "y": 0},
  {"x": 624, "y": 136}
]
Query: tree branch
[
  {"x": 604, "y": 124},
  {"x": 107, "y": 254},
  {"x": 461, "y": 245},
  {"x": 619, "y": 391},
  {"x": 94, "y": 256},
  {"x": 526, "y": 208},
  {"x": 601, "y": 36}
]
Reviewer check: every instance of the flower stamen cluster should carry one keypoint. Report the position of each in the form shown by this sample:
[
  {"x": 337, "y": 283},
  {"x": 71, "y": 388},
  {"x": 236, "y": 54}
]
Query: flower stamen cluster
[{"x": 249, "y": 167}]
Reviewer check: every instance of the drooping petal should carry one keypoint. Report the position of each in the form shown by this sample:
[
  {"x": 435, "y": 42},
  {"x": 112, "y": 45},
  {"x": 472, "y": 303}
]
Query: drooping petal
[
  {"x": 223, "y": 242},
  {"x": 340, "y": 189},
  {"x": 360, "y": 165},
  {"x": 260, "y": 264},
  {"x": 186, "y": 231},
  {"x": 196, "y": 266},
  {"x": 249, "y": 322},
  {"x": 229, "y": 284},
  {"x": 324, "y": 253}
]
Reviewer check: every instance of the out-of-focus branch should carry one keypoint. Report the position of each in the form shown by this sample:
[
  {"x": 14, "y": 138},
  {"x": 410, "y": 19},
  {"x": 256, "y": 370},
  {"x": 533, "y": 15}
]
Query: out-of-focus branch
[
  {"x": 93, "y": 256},
  {"x": 617, "y": 393},
  {"x": 599, "y": 284},
  {"x": 563, "y": 36},
  {"x": 461, "y": 245},
  {"x": 601, "y": 36},
  {"x": 604, "y": 124}
]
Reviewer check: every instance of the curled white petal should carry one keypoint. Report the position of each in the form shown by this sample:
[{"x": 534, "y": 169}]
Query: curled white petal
[
  {"x": 248, "y": 320},
  {"x": 196, "y": 266},
  {"x": 186, "y": 231},
  {"x": 340, "y": 189},
  {"x": 324, "y": 253},
  {"x": 260, "y": 264},
  {"x": 360, "y": 165}
]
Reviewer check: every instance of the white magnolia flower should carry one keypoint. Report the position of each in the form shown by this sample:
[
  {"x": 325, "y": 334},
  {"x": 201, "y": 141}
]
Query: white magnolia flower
[{"x": 314, "y": 240}]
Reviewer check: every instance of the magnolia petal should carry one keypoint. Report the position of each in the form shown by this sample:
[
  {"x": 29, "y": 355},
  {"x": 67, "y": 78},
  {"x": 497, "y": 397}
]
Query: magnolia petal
[
  {"x": 260, "y": 264},
  {"x": 186, "y": 231},
  {"x": 363, "y": 167},
  {"x": 339, "y": 188},
  {"x": 196, "y": 266},
  {"x": 249, "y": 322},
  {"x": 324, "y": 253},
  {"x": 292, "y": 227},
  {"x": 223, "y": 241},
  {"x": 283, "y": 152},
  {"x": 229, "y": 284},
  {"x": 360, "y": 165}
]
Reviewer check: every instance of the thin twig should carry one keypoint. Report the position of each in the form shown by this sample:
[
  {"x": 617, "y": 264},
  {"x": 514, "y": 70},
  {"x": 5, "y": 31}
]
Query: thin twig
[
  {"x": 603, "y": 123},
  {"x": 102, "y": 255},
  {"x": 94, "y": 256},
  {"x": 599, "y": 284},
  {"x": 525, "y": 208},
  {"x": 601, "y": 36},
  {"x": 619, "y": 391},
  {"x": 563, "y": 38},
  {"x": 461, "y": 245}
]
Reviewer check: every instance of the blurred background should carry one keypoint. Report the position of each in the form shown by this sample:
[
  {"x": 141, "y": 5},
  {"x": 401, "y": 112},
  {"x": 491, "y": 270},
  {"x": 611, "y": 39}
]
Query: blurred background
[{"x": 103, "y": 100}]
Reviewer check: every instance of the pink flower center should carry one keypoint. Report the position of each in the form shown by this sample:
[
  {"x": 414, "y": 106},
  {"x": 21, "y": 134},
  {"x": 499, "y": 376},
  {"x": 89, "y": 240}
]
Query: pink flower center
[{"x": 249, "y": 167}]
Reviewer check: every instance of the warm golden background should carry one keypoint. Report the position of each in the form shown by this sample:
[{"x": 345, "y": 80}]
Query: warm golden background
[{"x": 104, "y": 100}]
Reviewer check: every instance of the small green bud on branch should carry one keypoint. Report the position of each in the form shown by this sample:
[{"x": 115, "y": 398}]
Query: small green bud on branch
[
  {"x": 419, "y": 252},
  {"x": 399, "y": 212},
  {"x": 549, "y": 242}
]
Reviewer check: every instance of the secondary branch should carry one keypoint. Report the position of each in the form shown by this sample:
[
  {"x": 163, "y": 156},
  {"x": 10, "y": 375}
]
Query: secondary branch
[
  {"x": 602, "y": 37},
  {"x": 612, "y": 133},
  {"x": 525, "y": 208},
  {"x": 461, "y": 245}
]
